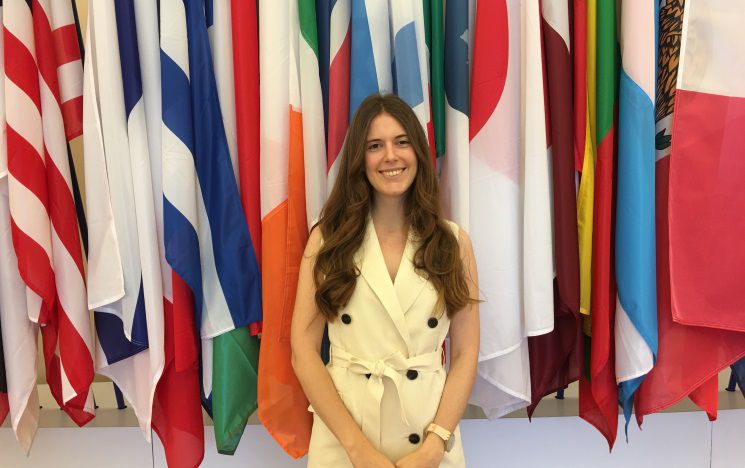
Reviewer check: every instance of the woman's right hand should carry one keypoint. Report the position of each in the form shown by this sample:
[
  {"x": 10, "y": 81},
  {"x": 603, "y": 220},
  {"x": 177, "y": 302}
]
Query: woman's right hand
[{"x": 368, "y": 457}]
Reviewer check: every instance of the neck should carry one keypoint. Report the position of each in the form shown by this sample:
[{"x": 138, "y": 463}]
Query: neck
[{"x": 388, "y": 214}]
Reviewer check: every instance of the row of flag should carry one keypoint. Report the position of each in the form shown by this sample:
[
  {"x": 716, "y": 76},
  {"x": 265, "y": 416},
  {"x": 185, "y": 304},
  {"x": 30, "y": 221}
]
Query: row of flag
[{"x": 592, "y": 149}]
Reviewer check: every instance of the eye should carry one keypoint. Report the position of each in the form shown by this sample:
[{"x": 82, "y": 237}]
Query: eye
[
  {"x": 403, "y": 142},
  {"x": 373, "y": 146}
]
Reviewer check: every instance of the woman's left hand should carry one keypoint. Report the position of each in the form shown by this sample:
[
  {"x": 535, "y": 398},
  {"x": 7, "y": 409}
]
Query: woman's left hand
[{"x": 429, "y": 455}]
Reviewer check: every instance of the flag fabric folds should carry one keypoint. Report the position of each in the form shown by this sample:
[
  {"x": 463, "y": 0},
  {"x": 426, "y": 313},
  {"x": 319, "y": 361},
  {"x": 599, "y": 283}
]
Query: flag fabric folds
[
  {"x": 340, "y": 40},
  {"x": 503, "y": 380},
  {"x": 454, "y": 172},
  {"x": 128, "y": 292},
  {"x": 556, "y": 357},
  {"x": 177, "y": 411},
  {"x": 636, "y": 305},
  {"x": 706, "y": 254},
  {"x": 45, "y": 234},
  {"x": 598, "y": 392},
  {"x": 689, "y": 357},
  {"x": 235, "y": 353}
]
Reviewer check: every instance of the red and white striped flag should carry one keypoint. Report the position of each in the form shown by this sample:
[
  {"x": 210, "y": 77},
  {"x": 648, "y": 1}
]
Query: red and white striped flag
[{"x": 45, "y": 235}]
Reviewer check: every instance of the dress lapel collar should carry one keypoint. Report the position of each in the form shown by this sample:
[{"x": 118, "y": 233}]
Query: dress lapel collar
[
  {"x": 408, "y": 283},
  {"x": 373, "y": 269}
]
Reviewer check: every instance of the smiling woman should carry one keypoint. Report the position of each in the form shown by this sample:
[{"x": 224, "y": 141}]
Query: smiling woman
[
  {"x": 390, "y": 159},
  {"x": 400, "y": 278}
]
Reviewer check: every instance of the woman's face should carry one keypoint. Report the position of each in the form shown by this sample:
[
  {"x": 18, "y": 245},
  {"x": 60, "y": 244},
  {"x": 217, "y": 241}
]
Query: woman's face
[{"x": 390, "y": 160}]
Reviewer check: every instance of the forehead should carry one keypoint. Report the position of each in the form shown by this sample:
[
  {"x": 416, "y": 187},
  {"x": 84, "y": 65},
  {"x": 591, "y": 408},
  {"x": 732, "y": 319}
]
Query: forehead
[{"x": 383, "y": 126}]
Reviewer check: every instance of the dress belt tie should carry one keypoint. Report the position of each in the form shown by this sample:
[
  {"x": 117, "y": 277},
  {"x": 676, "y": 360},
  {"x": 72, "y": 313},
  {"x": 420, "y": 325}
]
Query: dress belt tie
[{"x": 391, "y": 366}]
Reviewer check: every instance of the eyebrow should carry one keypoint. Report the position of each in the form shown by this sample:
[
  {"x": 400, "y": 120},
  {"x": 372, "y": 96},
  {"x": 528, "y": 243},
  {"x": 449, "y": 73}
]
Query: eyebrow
[{"x": 403, "y": 135}]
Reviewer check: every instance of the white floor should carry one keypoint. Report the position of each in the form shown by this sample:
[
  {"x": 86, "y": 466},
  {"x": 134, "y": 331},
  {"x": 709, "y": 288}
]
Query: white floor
[{"x": 679, "y": 440}]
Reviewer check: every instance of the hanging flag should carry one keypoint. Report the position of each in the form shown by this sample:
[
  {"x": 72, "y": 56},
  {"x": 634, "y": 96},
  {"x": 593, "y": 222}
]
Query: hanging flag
[
  {"x": 246, "y": 81},
  {"x": 69, "y": 66},
  {"x": 454, "y": 173},
  {"x": 636, "y": 304},
  {"x": 598, "y": 397},
  {"x": 235, "y": 353},
  {"x": 410, "y": 62},
  {"x": 225, "y": 285},
  {"x": 128, "y": 297},
  {"x": 585, "y": 144},
  {"x": 434, "y": 24},
  {"x": 340, "y": 43},
  {"x": 707, "y": 257},
  {"x": 371, "y": 59},
  {"x": 503, "y": 380},
  {"x": 556, "y": 357},
  {"x": 689, "y": 357},
  {"x": 323, "y": 31},
  {"x": 535, "y": 180},
  {"x": 311, "y": 104},
  {"x": 283, "y": 408},
  {"x": 45, "y": 235},
  {"x": 18, "y": 332},
  {"x": 177, "y": 413}
]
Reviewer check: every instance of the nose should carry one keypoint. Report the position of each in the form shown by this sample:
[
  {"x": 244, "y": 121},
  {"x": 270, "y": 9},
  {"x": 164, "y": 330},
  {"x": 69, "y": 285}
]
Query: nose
[{"x": 390, "y": 151}]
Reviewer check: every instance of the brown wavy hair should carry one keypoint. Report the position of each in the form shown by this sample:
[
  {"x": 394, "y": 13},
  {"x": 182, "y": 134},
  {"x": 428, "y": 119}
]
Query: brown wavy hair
[{"x": 344, "y": 217}]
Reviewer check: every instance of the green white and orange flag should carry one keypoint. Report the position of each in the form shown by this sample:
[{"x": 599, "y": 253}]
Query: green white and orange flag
[{"x": 293, "y": 159}]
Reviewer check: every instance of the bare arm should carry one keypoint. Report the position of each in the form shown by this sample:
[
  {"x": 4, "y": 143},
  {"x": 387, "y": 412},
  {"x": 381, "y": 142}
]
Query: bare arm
[
  {"x": 464, "y": 347},
  {"x": 464, "y": 353},
  {"x": 306, "y": 335}
]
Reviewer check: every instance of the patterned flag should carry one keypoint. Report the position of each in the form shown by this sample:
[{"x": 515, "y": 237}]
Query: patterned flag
[
  {"x": 177, "y": 414},
  {"x": 129, "y": 320},
  {"x": 556, "y": 357},
  {"x": 370, "y": 65},
  {"x": 636, "y": 305},
  {"x": 225, "y": 285},
  {"x": 340, "y": 43},
  {"x": 235, "y": 353},
  {"x": 410, "y": 62},
  {"x": 707, "y": 256},
  {"x": 455, "y": 173},
  {"x": 311, "y": 103},
  {"x": 45, "y": 235},
  {"x": 599, "y": 396},
  {"x": 689, "y": 357},
  {"x": 283, "y": 408},
  {"x": 69, "y": 65},
  {"x": 503, "y": 381}
]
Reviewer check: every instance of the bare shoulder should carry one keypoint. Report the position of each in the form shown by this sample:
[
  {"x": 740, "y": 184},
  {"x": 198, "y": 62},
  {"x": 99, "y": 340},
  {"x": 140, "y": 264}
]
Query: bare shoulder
[{"x": 315, "y": 241}]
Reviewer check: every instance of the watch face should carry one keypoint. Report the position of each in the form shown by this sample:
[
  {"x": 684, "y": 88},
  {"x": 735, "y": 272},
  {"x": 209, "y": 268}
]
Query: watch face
[{"x": 450, "y": 443}]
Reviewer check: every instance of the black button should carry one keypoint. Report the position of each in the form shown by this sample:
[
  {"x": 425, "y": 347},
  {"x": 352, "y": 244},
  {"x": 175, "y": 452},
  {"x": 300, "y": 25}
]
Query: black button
[
  {"x": 432, "y": 322},
  {"x": 346, "y": 319},
  {"x": 368, "y": 375},
  {"x": 414, "y": 438},
  {"x": 411, "y": 374}
]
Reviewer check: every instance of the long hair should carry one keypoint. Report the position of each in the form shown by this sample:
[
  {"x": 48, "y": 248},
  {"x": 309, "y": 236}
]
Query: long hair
[{"x": 344, "y": 217}]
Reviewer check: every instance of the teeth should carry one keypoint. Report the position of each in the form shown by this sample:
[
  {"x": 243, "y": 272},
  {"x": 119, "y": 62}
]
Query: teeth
[{"x": 392, "y": 173}]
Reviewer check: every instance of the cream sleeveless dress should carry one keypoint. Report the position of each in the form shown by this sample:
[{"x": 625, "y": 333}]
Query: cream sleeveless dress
[{"x": 386, "y": 360}]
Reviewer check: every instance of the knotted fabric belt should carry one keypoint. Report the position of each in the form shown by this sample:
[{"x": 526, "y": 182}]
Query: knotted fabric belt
[{"x": 391, "y": 366}]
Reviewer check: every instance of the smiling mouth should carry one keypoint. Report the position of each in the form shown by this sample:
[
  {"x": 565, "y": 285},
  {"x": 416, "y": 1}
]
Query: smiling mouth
[{"x": 392, "y": 172}]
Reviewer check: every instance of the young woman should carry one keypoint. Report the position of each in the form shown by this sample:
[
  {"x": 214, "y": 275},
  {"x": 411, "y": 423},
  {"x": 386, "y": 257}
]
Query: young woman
[{"x": 391, "y": 278}]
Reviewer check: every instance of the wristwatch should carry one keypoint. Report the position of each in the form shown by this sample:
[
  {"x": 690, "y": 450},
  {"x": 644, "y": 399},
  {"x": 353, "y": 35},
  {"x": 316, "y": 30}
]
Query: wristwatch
[{"x": 448, "y": 438}]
